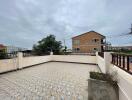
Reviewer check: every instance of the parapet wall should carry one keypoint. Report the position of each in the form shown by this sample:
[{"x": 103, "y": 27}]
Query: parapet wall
[
  {"x": 29, "y": 61},
  {"x": 75, "y": 58},
  {"x": 124, "y": 82},
  {"x": 8, "y": 65},
  {"x": 22, "y": 62},
  {"x": 124, "y": 79}
]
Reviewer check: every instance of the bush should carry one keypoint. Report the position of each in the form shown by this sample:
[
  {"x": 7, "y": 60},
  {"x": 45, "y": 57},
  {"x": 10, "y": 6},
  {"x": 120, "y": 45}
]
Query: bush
[
  {"x": 122, "y": 51},
  {"x": 2, "y": 55},
  {"x": 104, "y": 77}
]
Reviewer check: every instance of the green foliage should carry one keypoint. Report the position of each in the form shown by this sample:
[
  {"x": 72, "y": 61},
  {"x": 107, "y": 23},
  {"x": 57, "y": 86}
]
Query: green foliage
[
  {"x": 103, "y": 77},
  {"x": 122, "y": 51},
  {"x": 46, "y": 45},
  {"x": 64, "y": 51},
  {"x": 2, "y": 54}
]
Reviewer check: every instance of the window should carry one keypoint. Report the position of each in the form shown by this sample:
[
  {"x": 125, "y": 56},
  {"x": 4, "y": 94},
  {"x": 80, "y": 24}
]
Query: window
[
  {"x": 76, "y": 49},
  {"x": 76, "y": 42},
  {"x": 95, "y": 40},
  {"x": 95, "y": 49}
]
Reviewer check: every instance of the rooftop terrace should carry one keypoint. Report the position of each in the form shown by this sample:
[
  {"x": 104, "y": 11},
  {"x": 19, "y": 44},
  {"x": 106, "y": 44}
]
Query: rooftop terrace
[
  {"x": 61, "y": 77},
  {"x": 49, "y": 81}
]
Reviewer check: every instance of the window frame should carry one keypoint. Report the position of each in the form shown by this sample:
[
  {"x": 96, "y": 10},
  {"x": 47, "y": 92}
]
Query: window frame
[{"x": 76, "y": 42}]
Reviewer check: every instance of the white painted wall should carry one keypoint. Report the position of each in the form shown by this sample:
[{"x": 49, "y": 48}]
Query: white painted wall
[
  {"x": 124, "y": 83},
  {"x": 101, "y": 63},
  {"x": 124, "y": 78},
  {"x": 75, "y": 58},
  {"x": 21, "y": 62},
  {"x": 8, "y": 65},
  {"x": 29, "y": 61},
  {"x": 105, "y": 62}
]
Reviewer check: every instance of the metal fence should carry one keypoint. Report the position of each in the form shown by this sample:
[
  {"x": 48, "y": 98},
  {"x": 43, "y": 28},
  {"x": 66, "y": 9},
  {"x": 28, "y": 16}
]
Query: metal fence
[
  {"x": 8, "y": 55},
  {"x": 101, "y": 54},
  {"x": 27, "y": 54},
  {"x": 123, "y": 61}
]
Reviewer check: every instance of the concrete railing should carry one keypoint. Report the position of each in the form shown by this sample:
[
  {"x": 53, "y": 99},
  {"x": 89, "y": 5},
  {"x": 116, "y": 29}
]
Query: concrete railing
[
  {"x": 101, "y": 63},
  {"x": 75, "y": 58},
  {"x": 29, "y": 61},
  {"x": 124, "y": 79},
  {"x": 8, "y": 65},
  {"x": 22, "y": 62},
  {"x": 124, "y": 82}
]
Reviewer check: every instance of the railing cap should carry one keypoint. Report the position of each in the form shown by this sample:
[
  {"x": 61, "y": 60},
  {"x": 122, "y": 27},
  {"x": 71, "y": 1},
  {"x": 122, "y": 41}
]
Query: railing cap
[{"x": 123, "y": 54}]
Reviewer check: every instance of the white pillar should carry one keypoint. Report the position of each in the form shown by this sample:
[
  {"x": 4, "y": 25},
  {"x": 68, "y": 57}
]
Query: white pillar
[
  {"x": 20, "y": 58},
  {"x": 107, "y": 59},
  {"x": 51, "y": 53},
  {"x": 96, "y": 54}
]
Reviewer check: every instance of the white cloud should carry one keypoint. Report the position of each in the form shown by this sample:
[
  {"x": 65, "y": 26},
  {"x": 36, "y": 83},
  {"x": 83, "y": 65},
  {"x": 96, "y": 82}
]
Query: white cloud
[{"x": 24, "y": 22}]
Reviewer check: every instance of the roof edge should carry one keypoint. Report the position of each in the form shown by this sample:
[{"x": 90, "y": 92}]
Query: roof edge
[{"x": 89, "y": 32}]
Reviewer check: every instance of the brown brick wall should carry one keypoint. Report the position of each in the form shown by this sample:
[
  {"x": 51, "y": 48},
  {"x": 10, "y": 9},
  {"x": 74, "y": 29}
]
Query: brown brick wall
[{"x": 87, "y": 43}]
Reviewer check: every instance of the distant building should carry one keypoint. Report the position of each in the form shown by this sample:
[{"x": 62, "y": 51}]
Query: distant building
[
  {"x": 12, "y": 49},
  {"x": 89, "y": 42},
  {"x": 69, "y": 51},
  {"x": 121, "y": 47},
  {"x": 2, "y": 47}
]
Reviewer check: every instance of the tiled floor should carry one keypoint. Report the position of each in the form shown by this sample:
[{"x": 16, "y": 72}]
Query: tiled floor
[{"x": 49, "y": 81}]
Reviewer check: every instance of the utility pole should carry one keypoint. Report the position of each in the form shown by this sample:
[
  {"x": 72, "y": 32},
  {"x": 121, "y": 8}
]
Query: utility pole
[
  {"x": 64, "y": 46},
  {"x": 64, "y": 42},
  {"x": 131, "y": 29}
]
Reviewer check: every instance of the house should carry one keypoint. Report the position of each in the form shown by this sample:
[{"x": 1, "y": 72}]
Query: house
[
  {"x": 2, "y": 47},
  {"x": 121, "y": 47},
  {"x": 12, "y": 49},
  {"x": 88, "y": 42}
]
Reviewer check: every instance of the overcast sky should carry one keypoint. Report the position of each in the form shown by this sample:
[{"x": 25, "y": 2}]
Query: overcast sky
[{"x": 24, "y": 22}]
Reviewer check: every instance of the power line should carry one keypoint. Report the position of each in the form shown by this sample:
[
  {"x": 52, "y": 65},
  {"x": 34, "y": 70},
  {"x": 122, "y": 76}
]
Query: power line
[
  {"x": 120, "y": 35},
  {"x": 131, "y": 29}
]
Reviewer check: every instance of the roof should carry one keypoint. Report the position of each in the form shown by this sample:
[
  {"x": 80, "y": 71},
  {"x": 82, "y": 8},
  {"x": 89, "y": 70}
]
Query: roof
[
  {"x": 88, "y": 33},
  {"x": 2, "y": 46}
]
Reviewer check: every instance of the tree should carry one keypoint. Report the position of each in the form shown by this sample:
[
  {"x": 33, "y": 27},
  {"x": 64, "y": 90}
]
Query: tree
[
  {"x": 2, "y": 54},
  {"x": 46, "y": 45},
  {"x": 64, "y": 50}
]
